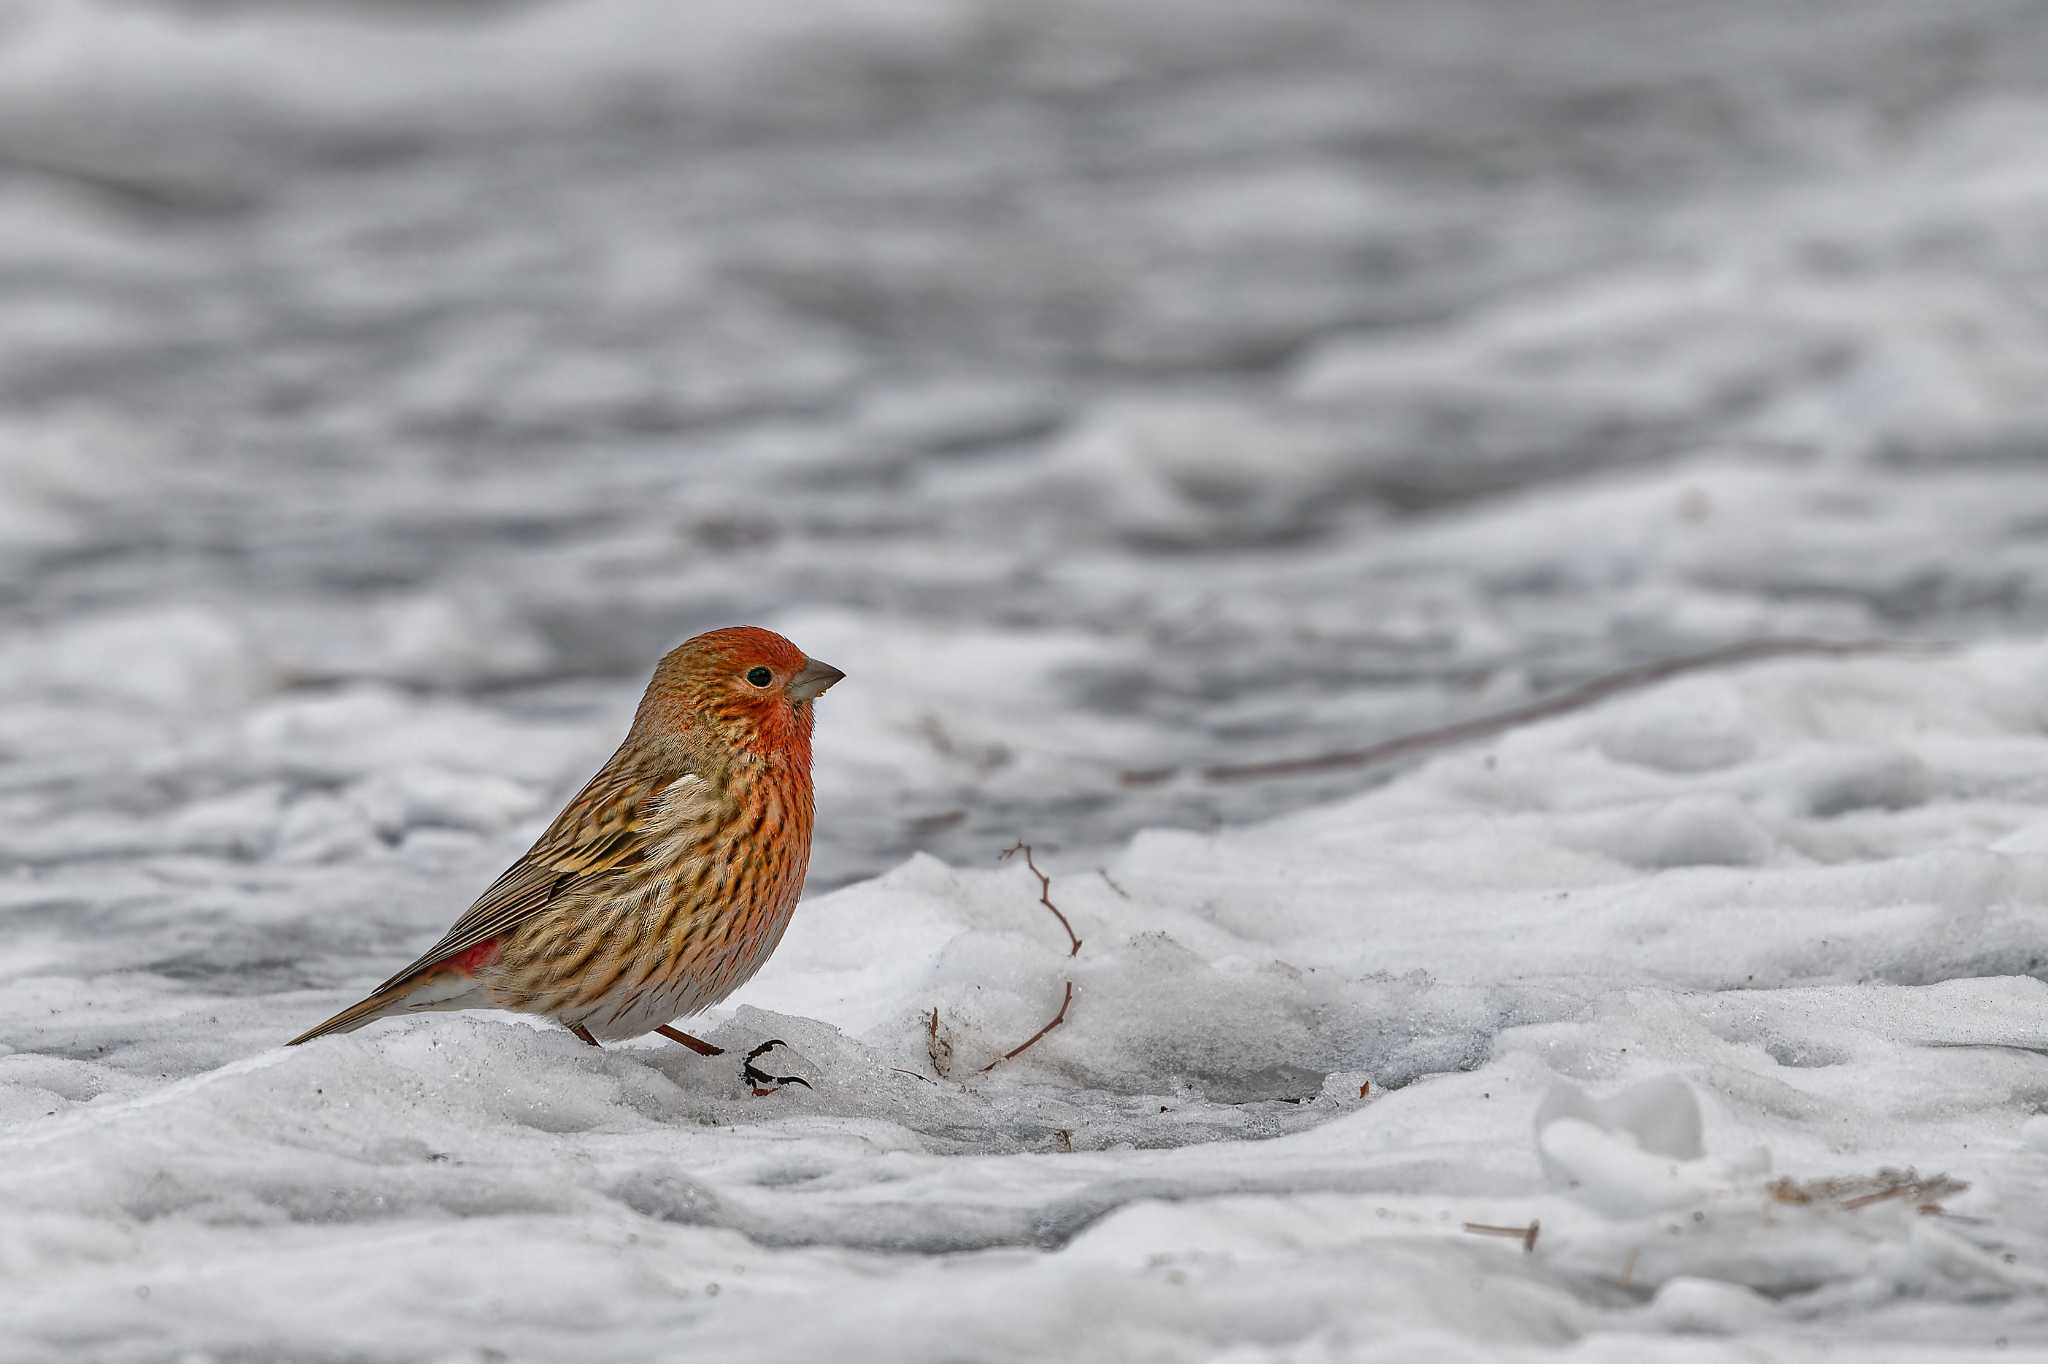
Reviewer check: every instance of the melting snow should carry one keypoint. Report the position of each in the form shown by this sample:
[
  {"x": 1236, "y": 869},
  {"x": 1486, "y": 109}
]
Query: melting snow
[
  {"x": 1610, "y": 975},
  {"x": 382, "y": 388}
]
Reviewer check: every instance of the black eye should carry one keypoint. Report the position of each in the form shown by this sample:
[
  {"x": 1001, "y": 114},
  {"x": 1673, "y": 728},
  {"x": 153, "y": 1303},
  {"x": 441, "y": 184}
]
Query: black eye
[{"x": 760, "y": 677}]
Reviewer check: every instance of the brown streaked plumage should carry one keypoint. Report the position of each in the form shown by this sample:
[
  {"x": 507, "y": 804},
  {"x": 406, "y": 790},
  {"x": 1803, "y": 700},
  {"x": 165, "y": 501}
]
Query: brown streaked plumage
[{"x": 669, "y": 878}]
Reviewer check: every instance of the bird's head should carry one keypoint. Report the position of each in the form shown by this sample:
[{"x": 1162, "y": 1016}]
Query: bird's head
[{"x": 743, "y": 689}]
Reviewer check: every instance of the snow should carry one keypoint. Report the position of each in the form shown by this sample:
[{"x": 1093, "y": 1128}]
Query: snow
[
  {"x": 1551, "y": 1025},
  {"x": 1115, "y": 398}
]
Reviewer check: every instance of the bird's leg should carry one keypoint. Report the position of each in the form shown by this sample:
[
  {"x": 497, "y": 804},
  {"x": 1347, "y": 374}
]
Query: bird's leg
[
  {"x": 759, "y": 1080},
  {"x": 762, "y": 1082},
  {"x": 583, "y": 1033},
  {"x": 696, "y": 1044}
]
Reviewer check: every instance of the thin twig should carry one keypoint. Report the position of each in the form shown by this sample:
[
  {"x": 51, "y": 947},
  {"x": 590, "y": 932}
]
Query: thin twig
[
  {"x": 936, "y": 1047},
  {"x": 1066, "y": 998},
  {"x": 1044, "y": 890},
  {"x": 1526, "y": 1235},
  {"x": 1028, "y": 1043},
  {"x": 1572, "y": 698},
  {"x": 1853, "y": 1192}
]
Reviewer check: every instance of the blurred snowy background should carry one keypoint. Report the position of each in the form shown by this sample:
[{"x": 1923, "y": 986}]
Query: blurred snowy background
[{"x": 1105, "y": 387}]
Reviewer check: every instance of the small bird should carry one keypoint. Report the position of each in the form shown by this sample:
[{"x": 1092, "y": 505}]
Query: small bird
[{"x": 668, "y": 880}]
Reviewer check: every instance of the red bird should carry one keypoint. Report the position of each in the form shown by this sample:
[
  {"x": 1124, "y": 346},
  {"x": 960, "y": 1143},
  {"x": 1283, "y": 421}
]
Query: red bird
[{"x": 669, "y": 879}]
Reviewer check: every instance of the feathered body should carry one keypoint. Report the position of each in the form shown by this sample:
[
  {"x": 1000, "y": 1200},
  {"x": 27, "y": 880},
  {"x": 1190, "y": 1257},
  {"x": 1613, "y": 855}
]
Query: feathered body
[{"x": 668, "y": 880}]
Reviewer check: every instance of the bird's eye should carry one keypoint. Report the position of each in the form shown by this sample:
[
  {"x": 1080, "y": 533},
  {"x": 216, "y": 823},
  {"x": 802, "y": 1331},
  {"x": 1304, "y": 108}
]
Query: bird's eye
[{"x": 760, "y": 677}]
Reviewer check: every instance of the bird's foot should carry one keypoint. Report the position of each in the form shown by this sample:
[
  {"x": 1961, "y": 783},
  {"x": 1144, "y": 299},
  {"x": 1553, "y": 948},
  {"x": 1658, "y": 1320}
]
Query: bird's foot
[{"x": 759, "y": 1080}]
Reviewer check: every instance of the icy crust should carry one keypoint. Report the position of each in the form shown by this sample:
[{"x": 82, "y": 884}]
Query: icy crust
[{"x": 1688, "y": 982}]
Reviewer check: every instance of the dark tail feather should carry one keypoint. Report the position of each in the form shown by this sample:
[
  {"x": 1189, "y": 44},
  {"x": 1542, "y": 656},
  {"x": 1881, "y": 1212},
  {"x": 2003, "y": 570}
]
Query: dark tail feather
[{"x": 355, "y": 1015}]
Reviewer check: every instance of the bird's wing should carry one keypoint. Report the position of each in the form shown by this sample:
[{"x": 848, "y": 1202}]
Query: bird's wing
[{"x": 605, "y": 828}]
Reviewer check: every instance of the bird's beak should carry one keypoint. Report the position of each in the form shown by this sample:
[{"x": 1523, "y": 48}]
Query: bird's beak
[{"x": 813, "y": 681}]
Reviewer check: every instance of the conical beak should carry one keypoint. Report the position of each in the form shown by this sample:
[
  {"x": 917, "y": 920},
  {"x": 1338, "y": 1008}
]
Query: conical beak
[{"x": 813, "y": 681}]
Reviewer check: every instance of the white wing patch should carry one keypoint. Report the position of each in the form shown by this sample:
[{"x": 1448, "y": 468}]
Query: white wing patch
[{"x": 680, "y": 800}]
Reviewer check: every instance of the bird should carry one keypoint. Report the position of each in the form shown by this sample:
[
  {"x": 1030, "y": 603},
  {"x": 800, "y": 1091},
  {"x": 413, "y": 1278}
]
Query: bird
[{"x": 666, "y": 882}]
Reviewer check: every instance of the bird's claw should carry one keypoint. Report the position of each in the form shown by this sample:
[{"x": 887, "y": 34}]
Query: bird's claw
[{"x": 759, "y": 1080}]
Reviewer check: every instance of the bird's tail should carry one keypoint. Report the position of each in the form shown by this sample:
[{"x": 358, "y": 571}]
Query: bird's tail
[{"x": 386, "y": 1000}]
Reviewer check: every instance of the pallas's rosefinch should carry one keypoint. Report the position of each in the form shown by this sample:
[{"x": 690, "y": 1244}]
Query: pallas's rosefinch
[{"x": 669, "y": 878}]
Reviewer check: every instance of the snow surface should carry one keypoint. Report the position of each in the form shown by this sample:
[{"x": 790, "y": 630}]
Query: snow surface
[
  {"x": 1617, "y": 973},
  {"x": 1109, "y": 389}
]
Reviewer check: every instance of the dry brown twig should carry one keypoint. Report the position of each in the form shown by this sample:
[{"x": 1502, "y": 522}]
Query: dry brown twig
[
  {"x": 1852, "y": 1192},
  {"x": 1526, "y": 1235},
  {"x": 1028, "y": 1043},
  {"x": 1044, "y": 890},
  {"x": 1067, "y": 996},
  {"x": 937, "y": 1047}
]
